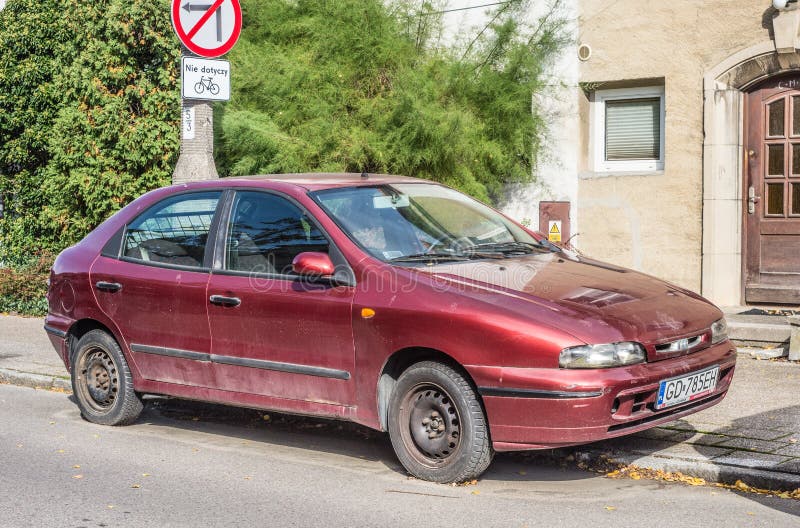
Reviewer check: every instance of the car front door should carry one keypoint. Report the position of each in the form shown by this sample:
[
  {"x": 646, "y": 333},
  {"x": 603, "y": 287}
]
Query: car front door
[
  {"x": 153, "y": 286},
  {"x": 274, "y": 333}
]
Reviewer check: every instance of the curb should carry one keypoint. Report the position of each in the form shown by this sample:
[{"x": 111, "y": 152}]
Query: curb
[
  {"x": 35, "y": 381},
  {"x": 709, "y": 471}
]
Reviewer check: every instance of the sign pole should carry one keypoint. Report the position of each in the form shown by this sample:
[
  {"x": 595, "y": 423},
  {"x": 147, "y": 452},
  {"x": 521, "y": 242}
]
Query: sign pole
[
  {"x": 196, "y": 160},
  {"x": 206, "y": 30}
]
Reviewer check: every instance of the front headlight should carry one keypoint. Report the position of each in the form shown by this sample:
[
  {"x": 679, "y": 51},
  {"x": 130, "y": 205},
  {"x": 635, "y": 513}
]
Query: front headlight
[
  {"x": 719, "y": 331},
  {"x": 601, "y": 356}
]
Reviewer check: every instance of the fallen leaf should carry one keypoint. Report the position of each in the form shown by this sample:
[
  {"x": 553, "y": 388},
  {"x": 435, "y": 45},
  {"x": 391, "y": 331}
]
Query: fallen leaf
[
  {"x": 523, "y": 472},
  {"x": 77, "y": 476},
  {"x": 96, "y": 436},
  {"x": 611, "y": 508},
  {"x": 266, "y": 418},
  {"x": 248, "y": 478},
  {"x": 136, "y": 486},
  {"x": 195, "y": 418},
  {"x": 52, "y": 423},
  {"x": 145, "y": 474},
  {"x": 76, "y": 466},
  {"x": 476, "y": 492},
  {"x": 110, "y": 506},
  {"x": 59, "y": 450}
]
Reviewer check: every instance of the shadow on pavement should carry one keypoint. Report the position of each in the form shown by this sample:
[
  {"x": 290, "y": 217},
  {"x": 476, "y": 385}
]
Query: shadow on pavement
[
  {"x": 749, "y": 449},
  {"x": 768, "y": 441},
  {"x": 334, "y": 437}
]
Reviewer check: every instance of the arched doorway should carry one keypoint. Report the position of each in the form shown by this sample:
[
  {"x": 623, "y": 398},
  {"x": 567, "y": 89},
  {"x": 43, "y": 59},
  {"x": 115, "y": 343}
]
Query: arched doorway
[
  {"x": 771, "y": 241},
  {"x": 749, "y": 258}
]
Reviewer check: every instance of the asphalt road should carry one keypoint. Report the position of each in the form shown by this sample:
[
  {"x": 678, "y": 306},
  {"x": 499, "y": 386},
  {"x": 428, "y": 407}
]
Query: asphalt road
[{"x": 186, "y": 464}]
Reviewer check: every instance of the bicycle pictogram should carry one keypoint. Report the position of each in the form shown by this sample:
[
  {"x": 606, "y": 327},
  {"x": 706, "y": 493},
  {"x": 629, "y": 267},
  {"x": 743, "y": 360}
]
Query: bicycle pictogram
[{"x": 206, "y": 83}]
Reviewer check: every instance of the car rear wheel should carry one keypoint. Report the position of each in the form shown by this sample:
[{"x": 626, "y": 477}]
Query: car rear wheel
[
  {"x": 437, "y": 424},
  {"x": 102, "y": 382}
]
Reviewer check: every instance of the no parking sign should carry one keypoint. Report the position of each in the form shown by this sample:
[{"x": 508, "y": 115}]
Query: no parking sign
[{"x": 208, "y": 28}]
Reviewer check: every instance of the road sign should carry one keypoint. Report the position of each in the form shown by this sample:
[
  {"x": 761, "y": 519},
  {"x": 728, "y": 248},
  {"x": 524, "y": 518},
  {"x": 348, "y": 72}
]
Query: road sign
[
  {"x": 208, "y": 28},
  {"x": 205, "y": 79}
]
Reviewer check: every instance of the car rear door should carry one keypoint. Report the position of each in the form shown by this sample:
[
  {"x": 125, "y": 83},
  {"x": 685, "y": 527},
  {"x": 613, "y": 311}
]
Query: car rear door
[
  {"x": 273, "y": 333},
  {"x": 153, "y": 286}
]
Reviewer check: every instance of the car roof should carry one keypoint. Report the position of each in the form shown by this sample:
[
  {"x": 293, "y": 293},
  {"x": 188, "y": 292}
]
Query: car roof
[{"x": 311, "y": 181}]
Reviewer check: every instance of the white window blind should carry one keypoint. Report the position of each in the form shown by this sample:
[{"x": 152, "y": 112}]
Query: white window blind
[{"x": 633, "y": 129}]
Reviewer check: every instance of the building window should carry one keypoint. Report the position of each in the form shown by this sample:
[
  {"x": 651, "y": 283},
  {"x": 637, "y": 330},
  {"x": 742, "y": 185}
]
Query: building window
[{"x": 628, "y": 126}]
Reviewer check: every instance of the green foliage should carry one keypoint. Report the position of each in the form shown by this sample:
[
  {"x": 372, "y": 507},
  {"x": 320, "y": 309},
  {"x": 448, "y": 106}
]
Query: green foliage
[
  {"x": 23, "y": 287},
  {"x": 89, "y": 114},
  {"x": 359, "y": 85}
]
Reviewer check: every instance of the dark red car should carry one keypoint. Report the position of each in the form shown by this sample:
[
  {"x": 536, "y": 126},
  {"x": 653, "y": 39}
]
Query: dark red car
[{"x": 393, "y": 302}]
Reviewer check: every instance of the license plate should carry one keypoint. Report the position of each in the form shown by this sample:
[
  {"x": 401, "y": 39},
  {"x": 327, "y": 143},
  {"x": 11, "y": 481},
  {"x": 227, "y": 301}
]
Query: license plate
[{"x": 687, "y": 388}]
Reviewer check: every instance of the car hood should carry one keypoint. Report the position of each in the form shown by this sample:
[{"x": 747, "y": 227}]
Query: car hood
[{"x": 591, "y": 300}]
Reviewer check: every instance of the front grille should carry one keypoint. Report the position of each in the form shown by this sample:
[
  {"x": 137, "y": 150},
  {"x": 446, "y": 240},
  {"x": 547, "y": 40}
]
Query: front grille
[{"x": 680, "y": 345}]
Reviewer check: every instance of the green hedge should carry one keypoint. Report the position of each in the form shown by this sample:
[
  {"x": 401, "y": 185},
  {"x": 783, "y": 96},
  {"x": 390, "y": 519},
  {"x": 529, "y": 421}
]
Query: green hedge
[
  {"x": 23, "y": 287},
  {"x": 90, "y": 103}
]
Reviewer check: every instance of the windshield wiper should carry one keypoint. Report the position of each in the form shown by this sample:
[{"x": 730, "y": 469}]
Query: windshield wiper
[
  {"x": 427, "y": 257},
  {"x": 510, "y": 247}
]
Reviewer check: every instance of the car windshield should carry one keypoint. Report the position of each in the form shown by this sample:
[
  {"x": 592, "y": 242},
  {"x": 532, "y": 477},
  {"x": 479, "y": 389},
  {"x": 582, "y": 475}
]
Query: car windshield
[{"x": 409, "y": 222}]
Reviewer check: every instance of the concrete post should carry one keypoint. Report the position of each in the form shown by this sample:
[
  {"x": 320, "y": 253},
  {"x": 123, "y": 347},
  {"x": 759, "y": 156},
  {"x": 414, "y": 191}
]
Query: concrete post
[
  {"x": 196, "y": 160},
  {"x": 794, "y": 338}
]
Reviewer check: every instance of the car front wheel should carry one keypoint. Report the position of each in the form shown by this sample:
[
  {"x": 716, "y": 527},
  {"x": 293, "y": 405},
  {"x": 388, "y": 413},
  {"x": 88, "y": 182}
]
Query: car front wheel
[
  {"x": 102, "y": 382},
  {"x": 437, "y": 424}
]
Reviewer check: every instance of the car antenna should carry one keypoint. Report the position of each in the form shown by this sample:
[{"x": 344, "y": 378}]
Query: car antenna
[{"x": 364, "y": 176}]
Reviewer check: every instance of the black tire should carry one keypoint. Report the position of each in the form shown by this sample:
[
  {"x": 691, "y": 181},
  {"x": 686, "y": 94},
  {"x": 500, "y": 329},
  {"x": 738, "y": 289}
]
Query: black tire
[
  {"x": 102, "y": 382},
  {"x": 437, "y": 424}
]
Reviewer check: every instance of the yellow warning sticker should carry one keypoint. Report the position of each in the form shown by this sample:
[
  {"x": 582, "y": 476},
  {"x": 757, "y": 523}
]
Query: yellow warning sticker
[{"x": 554, "y": 231}]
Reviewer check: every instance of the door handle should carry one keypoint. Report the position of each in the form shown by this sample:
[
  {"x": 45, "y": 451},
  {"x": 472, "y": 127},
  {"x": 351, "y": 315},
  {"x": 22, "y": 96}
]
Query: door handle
[
  {"x": 752, "y": 200},
  {"x": 111, "y": 287},
  {"x": 225, "y": 301}
]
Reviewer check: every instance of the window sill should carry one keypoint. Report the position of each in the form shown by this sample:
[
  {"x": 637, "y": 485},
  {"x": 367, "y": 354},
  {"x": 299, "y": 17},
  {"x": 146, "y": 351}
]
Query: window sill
[{"x": 591, "y": 175}]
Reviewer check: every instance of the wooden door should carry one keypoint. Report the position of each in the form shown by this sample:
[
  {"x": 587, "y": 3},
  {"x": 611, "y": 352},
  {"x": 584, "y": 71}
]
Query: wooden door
[{"x": 772, "y": 193}]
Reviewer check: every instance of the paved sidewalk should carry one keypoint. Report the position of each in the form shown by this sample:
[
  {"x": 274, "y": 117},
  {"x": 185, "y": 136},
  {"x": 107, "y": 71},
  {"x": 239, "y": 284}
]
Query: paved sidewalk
[
  {"x": 27, "y": 357},
  {"x": 753, "y": 435}
]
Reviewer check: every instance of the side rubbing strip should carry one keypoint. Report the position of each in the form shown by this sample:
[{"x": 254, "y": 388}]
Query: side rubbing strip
[
  {"x": 171, "y": 352},
  {"x": 55, "y": 331},
  {"x": 292, "y": 368},
  {"x": 533, "y": 393}
]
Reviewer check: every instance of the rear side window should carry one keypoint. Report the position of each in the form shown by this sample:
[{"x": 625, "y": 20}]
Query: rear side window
[
  {"x": 174, "y": 231},
  {"x": 267, "y": 232}
]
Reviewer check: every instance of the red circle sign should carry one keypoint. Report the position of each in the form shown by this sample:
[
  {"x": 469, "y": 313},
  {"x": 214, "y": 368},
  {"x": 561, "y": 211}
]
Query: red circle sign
[{"x": 208, "y": 28}]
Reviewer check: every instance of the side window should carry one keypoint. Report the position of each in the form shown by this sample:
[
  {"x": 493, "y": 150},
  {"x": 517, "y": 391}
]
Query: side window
[
  {"x": 267, "y": 232},
  {"x": 174, "y": 231}
]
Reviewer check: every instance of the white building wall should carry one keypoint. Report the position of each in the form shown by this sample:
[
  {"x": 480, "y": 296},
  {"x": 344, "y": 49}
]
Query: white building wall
[{"x": 556, "y": 173}]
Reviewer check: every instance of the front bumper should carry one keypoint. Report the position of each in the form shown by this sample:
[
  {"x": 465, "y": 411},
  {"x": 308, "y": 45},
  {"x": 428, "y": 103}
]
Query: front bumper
[{"x": 540, "y": 408}]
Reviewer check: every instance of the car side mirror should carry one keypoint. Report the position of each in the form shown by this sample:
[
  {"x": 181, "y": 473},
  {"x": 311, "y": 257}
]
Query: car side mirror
[{"x": 313, "y": 264}]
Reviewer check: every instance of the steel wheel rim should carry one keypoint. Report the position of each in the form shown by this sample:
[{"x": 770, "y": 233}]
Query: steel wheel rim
[
  {"x": 98, "y": 379},
  {"x": 430, "y": 425}
]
